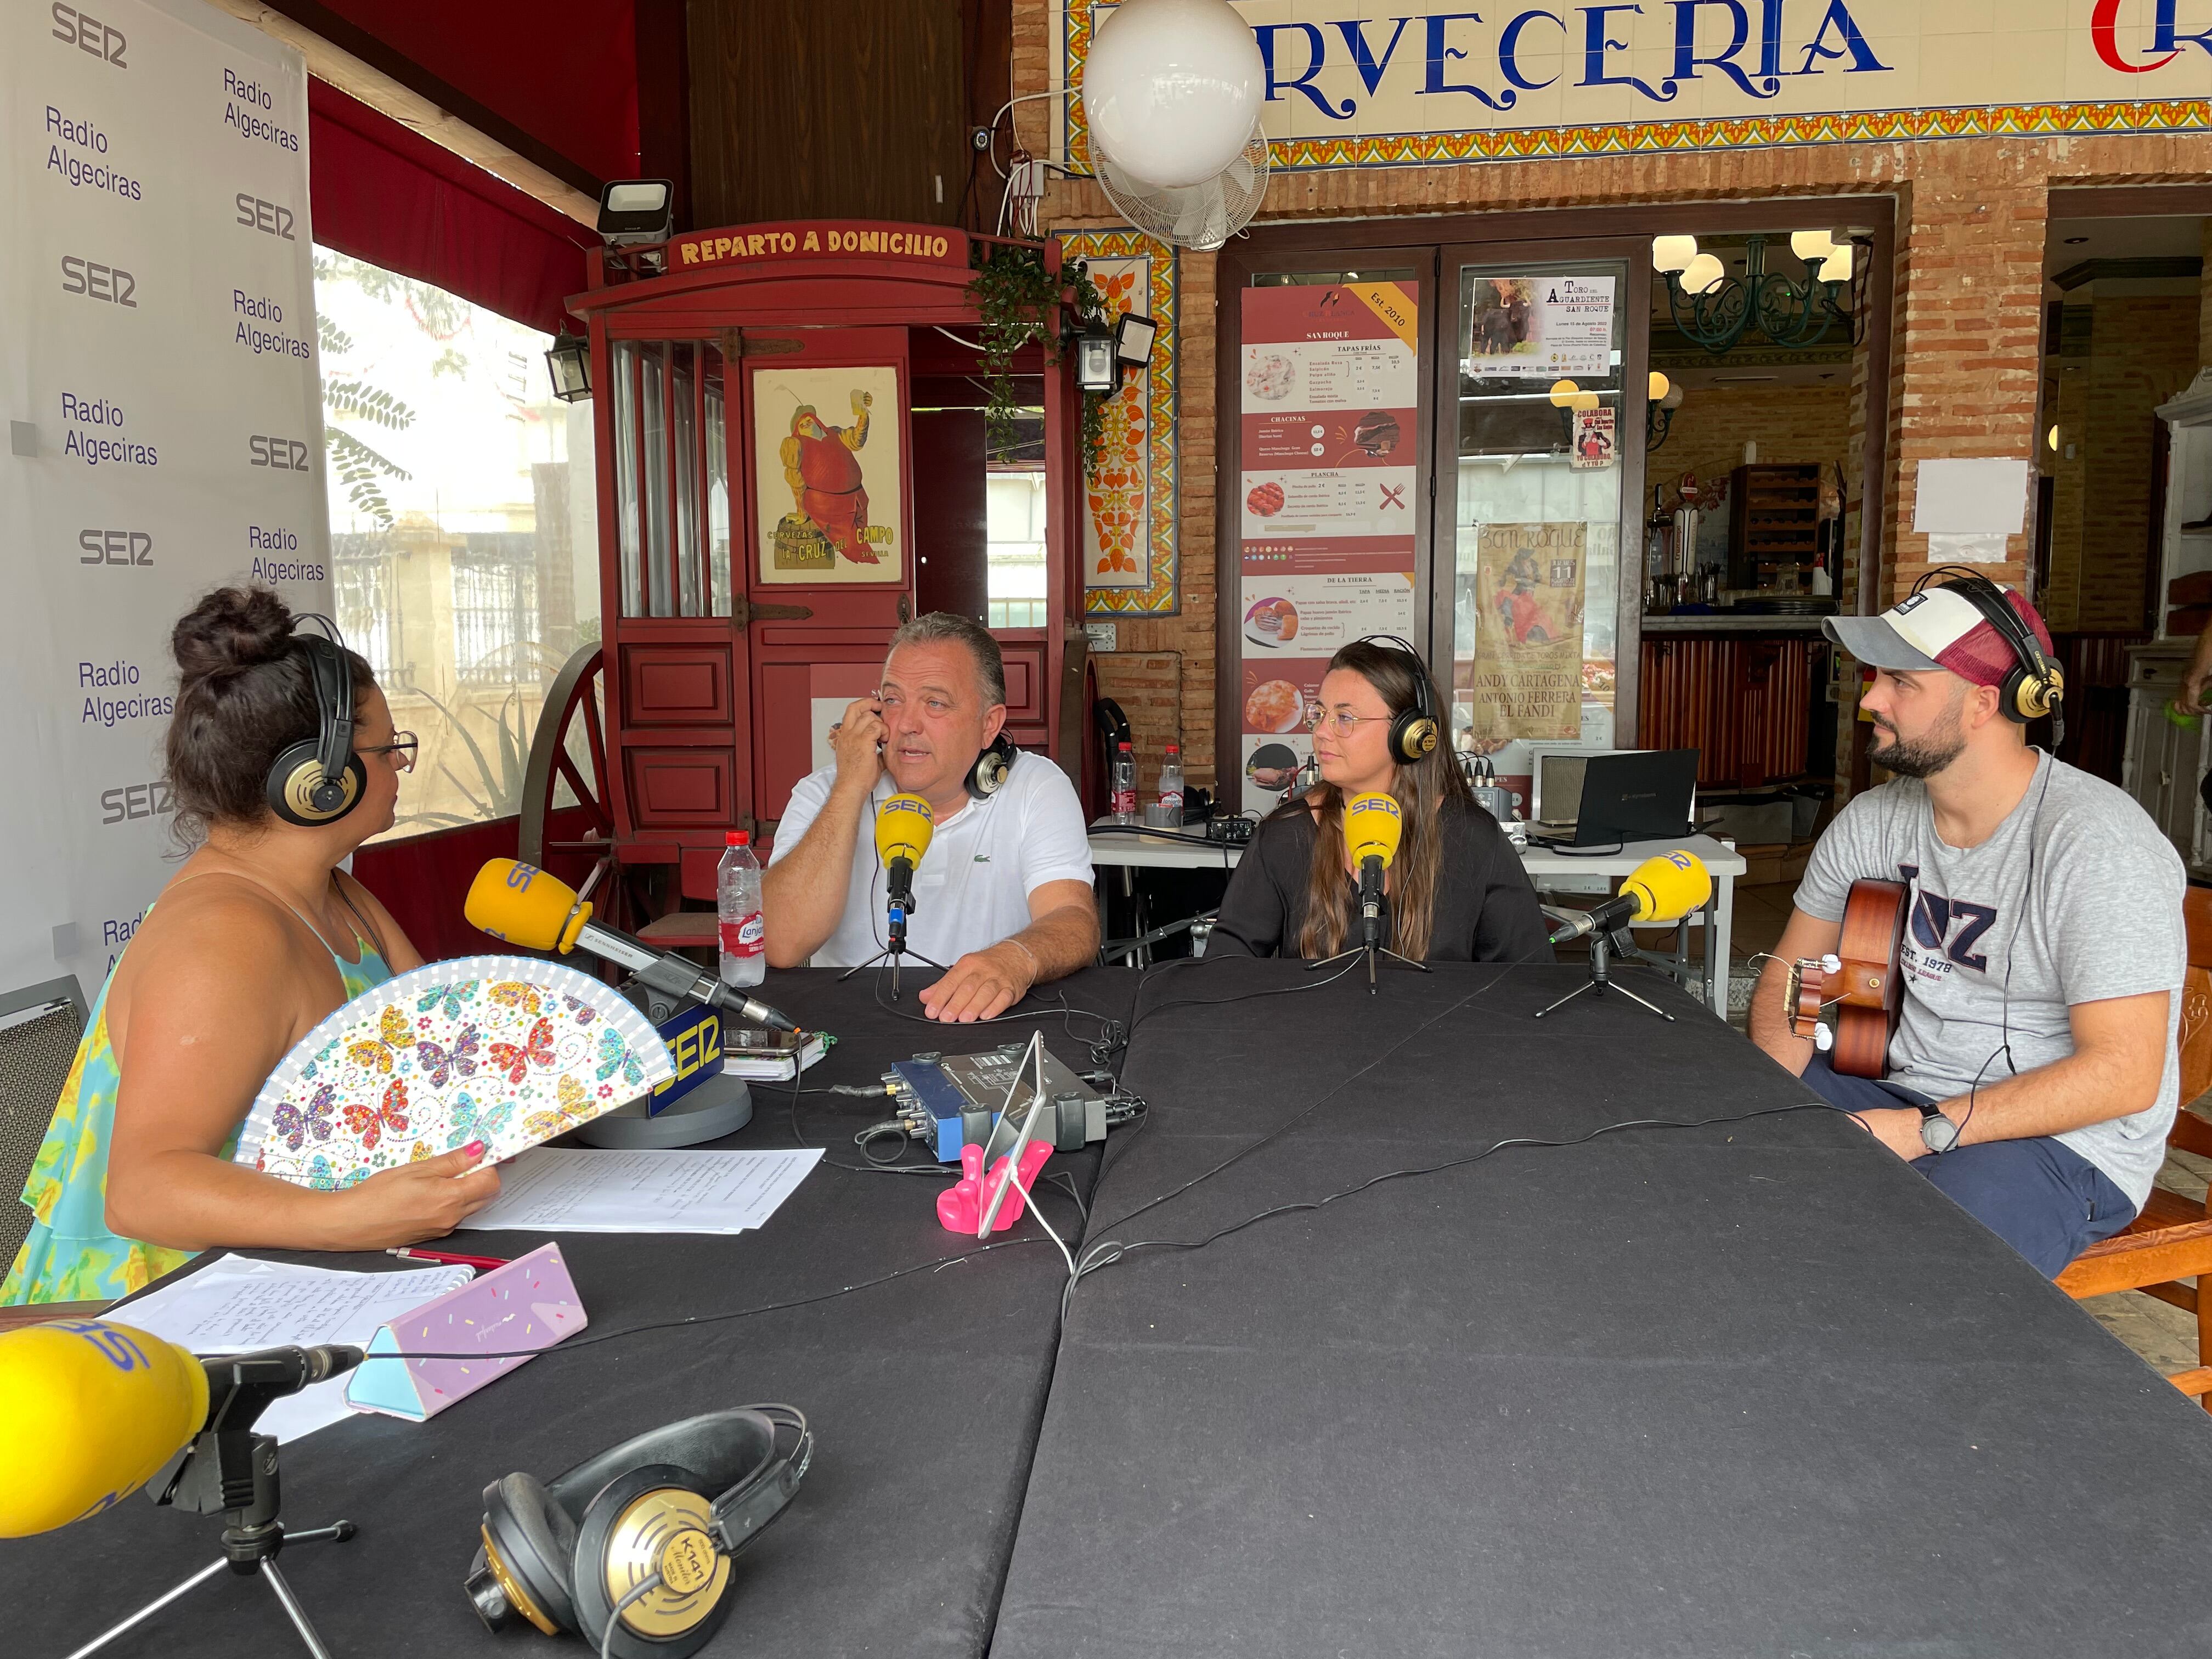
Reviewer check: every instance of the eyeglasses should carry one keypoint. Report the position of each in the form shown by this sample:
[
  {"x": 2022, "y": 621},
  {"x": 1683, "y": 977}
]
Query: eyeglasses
[
  {"x": 403, "y": 745},
  {"x": 1344, "y": 725}
]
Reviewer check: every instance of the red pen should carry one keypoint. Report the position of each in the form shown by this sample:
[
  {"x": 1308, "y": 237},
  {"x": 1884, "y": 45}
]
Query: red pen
[{"x": 482, "y": 1263}]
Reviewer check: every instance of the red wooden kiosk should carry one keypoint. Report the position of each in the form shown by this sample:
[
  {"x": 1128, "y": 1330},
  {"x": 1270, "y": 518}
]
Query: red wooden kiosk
[{"x": 743, "y": 378}]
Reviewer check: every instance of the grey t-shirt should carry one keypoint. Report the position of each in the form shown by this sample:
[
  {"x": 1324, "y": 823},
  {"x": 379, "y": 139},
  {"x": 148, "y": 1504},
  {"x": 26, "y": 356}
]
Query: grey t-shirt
[{"x": 2076, "y": 898}]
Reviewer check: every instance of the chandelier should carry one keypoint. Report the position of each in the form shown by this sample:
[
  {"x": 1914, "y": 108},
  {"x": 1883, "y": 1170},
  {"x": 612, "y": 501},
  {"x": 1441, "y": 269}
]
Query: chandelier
[{"x": 1715, "y": 309}]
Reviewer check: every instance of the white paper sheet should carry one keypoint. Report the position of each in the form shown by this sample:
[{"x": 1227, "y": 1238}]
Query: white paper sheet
[
  {"x": 238, "y": 1305},
  {"x": 559, "y": 1190},
  {"x": 1971, "y": 497}
]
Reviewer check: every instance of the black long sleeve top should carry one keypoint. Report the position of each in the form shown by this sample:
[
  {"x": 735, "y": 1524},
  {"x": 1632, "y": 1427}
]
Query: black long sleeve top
[{"x": 1485, "y": 906}]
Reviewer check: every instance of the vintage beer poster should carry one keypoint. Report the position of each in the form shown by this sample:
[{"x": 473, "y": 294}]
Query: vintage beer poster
[
  {"x": 829, "y": 474},
  {"x": 1525, "y": 680}
]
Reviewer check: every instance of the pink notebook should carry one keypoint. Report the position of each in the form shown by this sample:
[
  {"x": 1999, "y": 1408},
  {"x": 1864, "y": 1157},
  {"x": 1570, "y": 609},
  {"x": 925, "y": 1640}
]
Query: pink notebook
[{"x": 530, "y": 1303}]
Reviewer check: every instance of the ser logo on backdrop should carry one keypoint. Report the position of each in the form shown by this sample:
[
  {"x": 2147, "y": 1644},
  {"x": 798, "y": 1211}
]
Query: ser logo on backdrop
[
  {"x": 128, "y": 801},
  {"x": 120, "y": 547},
  {"x": 285, "y": 454},
  {"x": 269, "y": 218},
  {"x": 87, "y": 34},
  {"x": 97, "y": 281}
]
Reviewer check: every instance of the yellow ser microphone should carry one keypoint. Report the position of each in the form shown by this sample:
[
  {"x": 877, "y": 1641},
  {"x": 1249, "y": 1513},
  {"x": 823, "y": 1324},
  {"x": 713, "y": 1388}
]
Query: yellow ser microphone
[
  {"x": 1373, "y": 825},
  {"x": 904, "y": 825},
  {"x": 91, "y": 1410},
  {"x": 521, "y": 904},
  {"x": 1663, "y": 889}
]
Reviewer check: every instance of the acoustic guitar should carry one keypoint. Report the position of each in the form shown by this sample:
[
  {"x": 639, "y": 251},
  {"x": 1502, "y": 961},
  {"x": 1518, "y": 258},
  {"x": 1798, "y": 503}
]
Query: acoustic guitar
[{"x": 1860, "y": 977}]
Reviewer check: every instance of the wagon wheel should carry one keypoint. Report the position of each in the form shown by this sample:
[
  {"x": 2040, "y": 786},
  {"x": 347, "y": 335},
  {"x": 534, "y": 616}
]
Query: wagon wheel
[{"x": 572, "y": 709}]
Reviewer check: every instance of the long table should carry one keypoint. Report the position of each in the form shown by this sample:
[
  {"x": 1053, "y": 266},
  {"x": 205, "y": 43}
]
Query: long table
[
  {"x": 1753, "y": 1387},
  {"x": 1750, "y": 1389},
  {"x": 923, "y": 1395}
]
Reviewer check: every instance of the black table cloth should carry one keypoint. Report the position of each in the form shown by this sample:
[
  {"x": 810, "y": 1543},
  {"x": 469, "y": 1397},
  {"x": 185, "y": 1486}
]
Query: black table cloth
[
  {"x": 923, "y": 1395},
  {"x": 1749, "y": 1388}
]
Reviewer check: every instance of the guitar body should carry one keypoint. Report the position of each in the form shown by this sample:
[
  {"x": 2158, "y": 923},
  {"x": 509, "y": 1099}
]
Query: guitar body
[{"x": 1861, "y": 980}]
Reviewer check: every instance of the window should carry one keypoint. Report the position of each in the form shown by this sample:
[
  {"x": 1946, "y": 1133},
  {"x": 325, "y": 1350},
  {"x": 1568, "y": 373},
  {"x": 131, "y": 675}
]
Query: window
[
  {"x": 464, "y": 526},
  {"x": 1014, "y": 536}
]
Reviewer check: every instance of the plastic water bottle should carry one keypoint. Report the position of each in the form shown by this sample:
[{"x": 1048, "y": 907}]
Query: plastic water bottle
[
  {"x": 1171, "y": 784},
  {"x": 738, "y": 901},
  {"x": 1124, "y": 787}
]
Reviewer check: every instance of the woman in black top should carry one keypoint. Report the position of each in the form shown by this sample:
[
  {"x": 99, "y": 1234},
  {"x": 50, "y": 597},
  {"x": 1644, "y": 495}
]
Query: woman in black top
[{"x": 1457, "y": 892}]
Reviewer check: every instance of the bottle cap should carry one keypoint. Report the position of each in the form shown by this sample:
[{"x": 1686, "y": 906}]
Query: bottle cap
[
  {"x": 1125, "y": 747},
  {"x": 1174, "y": 749},
  {"x": 738, "y": 838}
]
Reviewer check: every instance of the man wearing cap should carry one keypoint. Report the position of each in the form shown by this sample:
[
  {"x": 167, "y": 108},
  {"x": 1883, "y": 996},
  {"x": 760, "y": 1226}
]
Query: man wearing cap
[{"x": 2033, "y": 1073}]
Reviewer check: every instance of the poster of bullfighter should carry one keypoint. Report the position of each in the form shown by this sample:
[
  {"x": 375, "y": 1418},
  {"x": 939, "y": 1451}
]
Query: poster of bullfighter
[{"x": 829, "y": 474}]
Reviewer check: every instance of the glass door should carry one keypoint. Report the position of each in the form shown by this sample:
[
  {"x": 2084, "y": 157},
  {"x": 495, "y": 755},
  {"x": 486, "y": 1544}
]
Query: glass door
[{"x": 1540, "y": 456}]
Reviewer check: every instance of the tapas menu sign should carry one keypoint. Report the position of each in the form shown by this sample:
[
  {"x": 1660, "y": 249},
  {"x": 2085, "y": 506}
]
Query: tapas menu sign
[{"x": 1328, "y": 449}]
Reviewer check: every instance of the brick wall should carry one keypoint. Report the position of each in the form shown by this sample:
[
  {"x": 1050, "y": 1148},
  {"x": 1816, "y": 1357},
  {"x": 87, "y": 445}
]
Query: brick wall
[
  {"x": 1149, "y": 687},
  {"x": 1967, "y": 283}
]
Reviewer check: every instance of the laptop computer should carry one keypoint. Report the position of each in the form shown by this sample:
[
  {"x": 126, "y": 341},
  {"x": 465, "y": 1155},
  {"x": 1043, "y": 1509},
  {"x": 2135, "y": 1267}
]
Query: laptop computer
[{"x": 1641, "y": 795}]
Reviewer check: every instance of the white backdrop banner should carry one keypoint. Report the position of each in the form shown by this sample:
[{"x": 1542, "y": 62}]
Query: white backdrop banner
[{"x": 165, "y": 426}]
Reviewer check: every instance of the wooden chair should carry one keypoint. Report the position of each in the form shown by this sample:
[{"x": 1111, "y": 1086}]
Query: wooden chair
[
  {"x": 698, "y": 871},
  {"x": 2171, "y": 1241}
]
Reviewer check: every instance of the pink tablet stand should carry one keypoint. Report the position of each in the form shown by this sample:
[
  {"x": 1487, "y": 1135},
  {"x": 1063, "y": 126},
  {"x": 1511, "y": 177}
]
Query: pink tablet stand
[{"x": 962, "y": 1209}]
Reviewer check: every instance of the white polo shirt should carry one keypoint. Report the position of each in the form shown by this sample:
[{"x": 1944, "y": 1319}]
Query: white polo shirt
[{"x": 972, "y": 887}]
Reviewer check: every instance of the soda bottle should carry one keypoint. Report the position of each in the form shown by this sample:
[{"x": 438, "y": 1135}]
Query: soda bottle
[
  {"x": 1124, "y": 786},
  {"x": 737, "y": 902},
  {"x": 1171, "y": 784}
]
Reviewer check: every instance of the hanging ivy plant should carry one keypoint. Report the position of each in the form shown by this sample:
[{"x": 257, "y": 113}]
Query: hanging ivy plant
[{"x": 1019, "y": 302}]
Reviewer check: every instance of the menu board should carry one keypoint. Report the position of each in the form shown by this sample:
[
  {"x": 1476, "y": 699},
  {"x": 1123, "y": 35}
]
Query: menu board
[{"x": 1328, "y": 447}]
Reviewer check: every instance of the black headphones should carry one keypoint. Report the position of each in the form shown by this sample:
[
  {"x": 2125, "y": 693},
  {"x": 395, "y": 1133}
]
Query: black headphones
[
  {"x": 990, "y": 768},
  {"x": 318, "y": 780},
  {"x": 566, "y": 1556},
  {"x": 2036, "y": 686},
  {"x": 1414, "y": 733}
]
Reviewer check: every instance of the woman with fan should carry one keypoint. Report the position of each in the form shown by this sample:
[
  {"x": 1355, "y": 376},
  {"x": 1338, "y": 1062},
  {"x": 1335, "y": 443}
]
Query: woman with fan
[{"x": 254, "y": 939}]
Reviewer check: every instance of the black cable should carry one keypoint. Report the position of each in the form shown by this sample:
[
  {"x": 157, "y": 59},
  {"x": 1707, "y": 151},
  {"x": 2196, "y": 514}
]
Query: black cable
[{"x": 1108, "y": 1251}]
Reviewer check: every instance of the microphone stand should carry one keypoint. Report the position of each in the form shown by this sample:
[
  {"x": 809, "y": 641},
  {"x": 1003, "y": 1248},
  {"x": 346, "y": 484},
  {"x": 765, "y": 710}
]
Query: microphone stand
[
  {"x": 1601, "y": 980},
  {"x": 1371, "y": 919},
  {"x": 229, "y": 1470},
  {"x": 897, "y": 906}
]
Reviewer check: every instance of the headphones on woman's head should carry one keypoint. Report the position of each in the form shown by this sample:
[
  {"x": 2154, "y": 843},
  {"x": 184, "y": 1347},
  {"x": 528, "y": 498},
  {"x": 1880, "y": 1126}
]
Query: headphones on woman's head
[
  {"x": 1414, "y": 733},
  {"x": 2035, "y": 686},
  {"x": 318, "y": 780},
  {"x": 990, "y": 768},
  {"x": 564, "y": 1555}
]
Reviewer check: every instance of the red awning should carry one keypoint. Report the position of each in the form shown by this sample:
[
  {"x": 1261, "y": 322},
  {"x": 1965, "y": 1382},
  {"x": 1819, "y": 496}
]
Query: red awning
[{"x": 385, "y": 194}]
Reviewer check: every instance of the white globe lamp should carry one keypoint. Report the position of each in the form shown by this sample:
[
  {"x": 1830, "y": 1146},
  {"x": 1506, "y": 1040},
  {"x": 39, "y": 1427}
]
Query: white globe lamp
[{"x": 1171, "y": 88}]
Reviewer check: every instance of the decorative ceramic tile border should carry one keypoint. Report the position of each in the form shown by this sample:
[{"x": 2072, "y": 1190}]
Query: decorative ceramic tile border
[
  {"x": 1644, "y": 138},
  {"x": 1131, "y": 511}
]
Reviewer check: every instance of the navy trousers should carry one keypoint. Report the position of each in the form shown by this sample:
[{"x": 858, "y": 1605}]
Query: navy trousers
[{"x": 2040, "y": 1196}]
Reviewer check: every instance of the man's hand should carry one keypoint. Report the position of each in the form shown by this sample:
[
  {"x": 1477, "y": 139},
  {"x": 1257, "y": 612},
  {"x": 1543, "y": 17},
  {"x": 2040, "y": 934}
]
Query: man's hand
[
  {"x": 857, "y": 741},
  {"x": 1897, "y": 1128},
  {"x": 981, "y": 985},
  {"x": 2192, "y": 700}
]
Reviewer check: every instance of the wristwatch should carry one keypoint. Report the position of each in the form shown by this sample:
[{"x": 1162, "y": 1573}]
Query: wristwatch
[{"x": 1937, "y": 1133}]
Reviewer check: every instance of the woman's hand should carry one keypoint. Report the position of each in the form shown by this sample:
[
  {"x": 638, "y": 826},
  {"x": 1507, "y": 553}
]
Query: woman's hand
[{"x": 415, "y": 1201}]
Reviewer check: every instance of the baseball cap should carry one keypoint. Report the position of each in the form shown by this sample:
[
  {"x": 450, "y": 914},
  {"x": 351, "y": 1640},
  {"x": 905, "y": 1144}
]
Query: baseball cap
[{"x": 1937, "y": 628}]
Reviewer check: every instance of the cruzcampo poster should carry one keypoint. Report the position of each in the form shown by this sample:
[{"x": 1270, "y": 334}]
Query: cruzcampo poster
[{"x": 1526, "y": 677}]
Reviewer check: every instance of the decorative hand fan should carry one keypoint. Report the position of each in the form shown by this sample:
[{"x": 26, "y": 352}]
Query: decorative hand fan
[{"x": 508, "y": 1050}]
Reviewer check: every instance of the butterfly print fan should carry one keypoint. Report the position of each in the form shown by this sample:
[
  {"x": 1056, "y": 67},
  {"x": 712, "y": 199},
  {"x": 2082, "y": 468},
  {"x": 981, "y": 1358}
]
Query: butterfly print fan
[{"x": 508, "y": 1050}]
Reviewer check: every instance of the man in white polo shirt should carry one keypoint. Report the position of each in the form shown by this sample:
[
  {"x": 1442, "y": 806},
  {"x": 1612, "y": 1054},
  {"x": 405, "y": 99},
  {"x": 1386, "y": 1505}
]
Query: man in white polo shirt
[{"x": 1003, "y": 894}]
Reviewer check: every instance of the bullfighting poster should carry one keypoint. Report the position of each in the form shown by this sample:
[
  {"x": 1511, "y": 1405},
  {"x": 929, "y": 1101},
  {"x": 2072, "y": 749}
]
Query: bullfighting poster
[
  {"x": 1525, "y": 677},
  {"x": 829, "y": 474}
]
